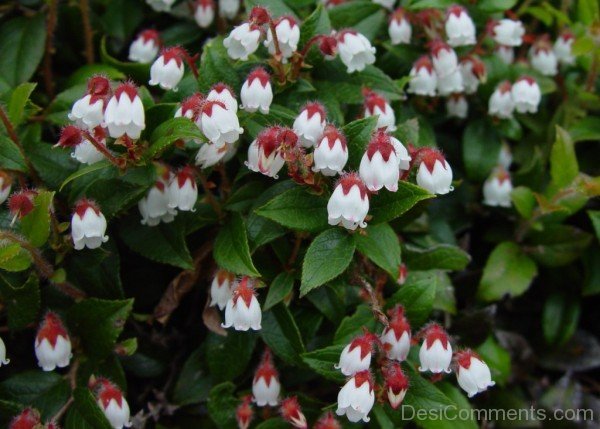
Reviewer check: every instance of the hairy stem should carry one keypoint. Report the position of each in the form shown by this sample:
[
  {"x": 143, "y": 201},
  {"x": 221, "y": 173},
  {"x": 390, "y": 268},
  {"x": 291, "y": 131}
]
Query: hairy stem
[
  {"x": 88, "y": 34},
  {"x": 50, "y": 28},
  {"x": 102, "y": 149}
]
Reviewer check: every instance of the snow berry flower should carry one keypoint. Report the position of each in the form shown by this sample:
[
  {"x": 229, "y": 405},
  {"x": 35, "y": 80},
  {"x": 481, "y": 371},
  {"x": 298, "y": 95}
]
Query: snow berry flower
[
  {"x": 331, "y": 153},
  {"x": 288, "y": 36},
  {"x": 377, "y": 105},
  {"x": 244, "y": 413},
  {"x": 265, "y": 385},
  {"x": 85, "y": 152},
  {"x": 543, "y": 58},
  {"x": 460, "y": 28},
  {"x": 396, "y": 384},
  {"x": 399, "y": 28},
  {"x": 204, "y": 12},
  {"x": 508, "y": 32},
  {"x": 252, "y": 162},
  {"x": 124, "y": 114},
  {"x": 21, "y": 204},
  {"x": 145, "y": 47},
  {"x": 328, "y": 45},
  {"x": 473, "y": 72},
  {"x": 388, "y": 4},
  {"x": 224, "y": 93},
  {"x": 219, "y": 124},
  {"x": 505, "y": 156},
  {"x": 210, "y": 154},
  {"x": 28, "y": 419},
  {"x": 256, "y": 93},
  {"x": 436, "y": 352},
  {"x": 88, "y": 225},
  {"x": 154, "y": 207},
  {"x": 450, "y": 84},
  {"x": 526, "y": 95},
  {"x": 113, "y": 404},
  {"x": 473, "y": 374},
  {"x": 435, "y": 174},
  {"x": 356, "y": 356},
  {"x": 5, "y": 186},
  {"x": 445, "y": 61},
  {"x": 501, "y": 102},
  {"x": 327, "y": 421},
  {"x": 243, "y": 310},
  {"x": 505, "y": 53},
  {"x": 242, "y": 41},
  {"x": 457, "y": 106},
  {"x": 357, "y": 397},
  {"x": 190, "y": 107},
  {"x": 310, "y": 124},
  {"x": 292, "y": 413},
  {"x": 160, "y": 5},
  {"x": 229, "y": 8},
  {"x": 349, "y": 203},
  {"x": 270, "y": 156},
  {"x": 183, "y": 191},
  {"x": 497, "y": 189},
  {"x": 402, "y": 154},
  {"x": 423, "y": 78},
  {"x": 3, "y": 359},
  {"x": 396, "y": 336},
  {"x": 88, "y": 112},
  {"x": 356, "y": 52},
  {"x": 221, "y": 288},
  {"x": 52, "y": 343},
  {"x": 379, "y": 164},
  {"x": 563, "y": 48},
  {"x": 167, "y": 70}
]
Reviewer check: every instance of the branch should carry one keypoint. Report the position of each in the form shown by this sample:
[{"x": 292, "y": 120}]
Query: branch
[
  {"x": 88, "y": 34},
  {"x": 10, "y": 129},
  {"x": 50, "y": 28}
]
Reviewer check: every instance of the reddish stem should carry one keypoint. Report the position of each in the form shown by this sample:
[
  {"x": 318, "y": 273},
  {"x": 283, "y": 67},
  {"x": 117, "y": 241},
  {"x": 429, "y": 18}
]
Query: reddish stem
[
  {"x": 303, "y": 53},
  {"x": 278, "y": 64},
  {"x": 102, "y": 149}
]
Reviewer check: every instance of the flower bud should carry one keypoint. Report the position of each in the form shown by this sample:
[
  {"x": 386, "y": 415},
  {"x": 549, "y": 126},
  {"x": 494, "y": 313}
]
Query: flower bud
[
  {"x": 259, "y": 15},
  {"x": 497, "y": 189},
  {"x": 435, "y": 174},
  {"x": 270, "y": 156},
  {"x": 70, "y": 136},
  {"x": 145, "y": 47},
  {"x": 563, "y": 48},
  {"x": 292, "y": 413},
  {"x": 328, "y": 46},
  {"x": 445, "y": 61},
  {"x": 357, "y": 397},
  {"x": 402, "y": 273},
  {"x": 309, "y": 125},
  {"x": 501, "y": 102},
  {"x": 244, "y": 413},
  {"x": 457, "y": 106},
  {"x": 542, "y": 57},
  {"x": 331, "y": 153},
  {"x": 224, "y": 93},
  {"x": 221, "y": 289},
  {"x": 88, "y": 225},
  {"x": 242, "y": 41},
  {"x": 288, "y": 35},
  {"x": 396, "y": 336},
  {"x": 243, "y": 310},
  {"x": 473, "y": 72},
  {"x": 265, "y": 385},
  {"x": 3, "y": 359},
  {"x": 349, "y": 203},
  {"x": 190, "y": 107},
  {"x": 229, "y": 8},
  {"x": 204, "y": 12},
  {"x": 396, "y": 384},
  {"x": 508, "y": 32},
  {"x": 505, "y": 53},
  {"x": 28, "y": 419},
  {"x": 20, "y": 204},
  {"x": 154, "y": 207},
  {"x": 356, "y": 356},
  {"x": 256, "y": 93},
  {"x": 356, "y": 52},
  {"x": 5, "y": 186},
  {"x": 376, "y": 105},
  {"x": 460, "y": 28},
  {"x": 52, "y": 343},
  {"x": 526, "y": 95},
  {"x": 88, "y": 112},
  {"x": 379, "y": 164},
  {"x": 399, "y": 28},
  {"x": 210, "y": 154},
  {"x": 113, "y": 404},
  {"x": 167, "y": 70},
  {"x": 423, "y": 78},
  {"x": 473, "y": 374},
  {"x": 328, "y": 421},
  {"x": 219, "y": 124},
  {"x": 436, "y": 352},
  {"x": 124, "y": 114}
]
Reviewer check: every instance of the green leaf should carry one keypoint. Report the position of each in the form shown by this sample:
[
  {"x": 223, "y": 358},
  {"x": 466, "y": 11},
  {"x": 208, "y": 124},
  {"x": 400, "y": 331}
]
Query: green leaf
[
  {"x": 439, "y": 256},
  {"x": 563, "y": 162},
  {"x": 358, "y": 134},
  {"x": 481, "y": 146},
  {"x": 139, "y": 72},
  {"x": 352, "y": 326},
  {"x": 588, "y": 11},
  {"x": 22, "y": 45},
  {"x": 122, "y": 17},
  {"x": 365, "y": 17},
  {"x": 163, "y": 243},
  {"x": 493, "y": 6},
  {"x": 316, "y": 23},
  {"x": 557, "y": 245},
  {"x": 36, "y": 225},
  {"x": 98, "y": 323},
  {"x": 215, "y": 66},
  {"x": 380, "y": 244},
  {"x": 13, "y": 257},
  {"x": 444, "y": 293},
  {"x": 276, "y": 8},
  {"x": 297, "y": 208},
  {"x": 595, "y": 218},
  {"x": 417, "y": 296},
  {"x": 231, "y": 250},
  {"x": 328, "y": 302},
  {"x": 85, "y": 412},
  {"x": 97, "y": 272},
  {"x": 169, "y": 132},
  {"x": 228, "y": 357},
  {"x": 387, "y": 206},
  {"x": 587, "y": 129},
  {"x": 22, "y": 302},
  {"x": 508, "y": 271},
  {"x": 322, "y": 361},
  {"x": 497, "y": 358},
  {"x": 560, "y": 318},
  {"x": 222, "y": 405},
  {"x": 87, "y": 169},
  {"x": 11, "y": 157},
  {"x": 280, "y": 332},
  {"x": 280, "y": 287},
  {"x": 52, "y": 164},
  {"x": 193, "y": 384},
  {"x": 327, "y": 257},
  {"x": 45, "y": 391},
  {"x": 460, "y": 417},
  {"x": 523, "y": 199},
  {"x": 18, "y": 100}
]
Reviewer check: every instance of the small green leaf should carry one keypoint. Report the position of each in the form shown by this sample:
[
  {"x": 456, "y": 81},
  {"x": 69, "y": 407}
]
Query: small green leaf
[
  {"x": 280, "y": 287},
  {"x": 18, "y": 100},
  {"x": 215, "y": 66},
  {"x": 169, "y": 132},
  {"x": 97, "y": 166},
  {"x": 22, "y": 302},
  {"x": 316, "y": 23},
  {"x": 35, "y": 226},
  {"x": 231, "y": 250},
  {"x": 560, "y": 318},
  {"x": 417, "y": 296},
  {"x": 492, "y": 6},
  {"x": 358, "y": 134},
  {"x": 13, "y": 257},
  {"x": 193, "y": 384},
  {"x": 563, "y": 162},
  {"x": 365, "y": 17},
  {"x": 322, "y": 361},
  {"x": 280, "y": 332},
  {"x": 85, "y": 412},
  {"x": 11, "y": 157},
  {"x": 222, "y": 405},
  {"x": 352, "y": 326},
  {"x": 523, "y": 199},
  {"x": 508, "y": 271},
  {"x": 557, "y": 245},
  {"x": 327, "y": 257},
  {"x": 139, "y": 72},
  {"x": 481, "y": 146},
  {"x": 228, "y": 357},
  {"x": 439, "y": 256},
  {"x": 380, "y": 244},
  {"x": 497, "y": 358},
  {"x": 387, "y": 206}
]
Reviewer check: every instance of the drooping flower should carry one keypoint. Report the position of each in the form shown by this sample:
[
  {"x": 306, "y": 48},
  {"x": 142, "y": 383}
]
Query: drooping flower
[
  {"x": 399, "y": 28},
  {"x": 183, "y": 191},
  {"x": 124, "y": 114},
  {"x": 349, "y": 203},
  {"x": 310, "y": 124},
  {"x": 379, "y": 164},
  {"x": 88, "y": 225},
  {"x": 265, "y": 385},
  {"x": 243, "y": 310},
  {"x": 288, "y": 36},
  {"x": 497, "y": 189},
  {"x": 435, "y": 174},
  {"x": 501, "y": 102},
  {"x": 435, "y": 354},
  {"x": 473, "y": 374},
  {"x": 377, "y": 105},
  {"x": 331, "y": 153},
  {"x": 356, "y": 356},
  {"x": 257, "y": 93},
  {"x": 396, "y": 384},
  {"x": 167, "y": 71},
  {"x": 3, "y": 359},
  {"x": 450, "y": 84},
  {"x": 190, "y": 107},
  {"x": 154, "y": 207},
  {"x": 396, "y": 337},
  {"x": 356, "y": 52},
  {"x": 204, "y": 12},
  {"x": 292, "y": 413},
  {"x": 459, "y": 26},
  {"x": 563, "y": 48},
  {"x": 507, "y": 32},
  {"x": 112, "y": 402},
  {"x": 526, "y": 95},
  {"x": 52, "y": 343},
  {"x": 219, "y": 124},
  {"x": 423, "y": 78},
  {"x": 473, "y": 72},
  {"x": 457, "y": 106},
  {"x": 88, "y": 111},
  {"x": 505, "y": 53},
  {"x": 224, "y": 93},
  {"x": 221, "y": 288},
  {"x": 209, "y": 154},
  {"x": 5, "y": 186},
  {"x": 445, "y": 61},
  {"x": 242, "y": 41},
  {"x": 85, "y": 152},
  {"x": 20, "y": 204},
  {"x": 229, "y": 8},
  {"x": 542, "y": 57},
  {"x": 269, "y": 154},
  {"x": 244, "y": 413},
  {"x": 357, "y": 397},
  {"x": 145, "y": 47}
]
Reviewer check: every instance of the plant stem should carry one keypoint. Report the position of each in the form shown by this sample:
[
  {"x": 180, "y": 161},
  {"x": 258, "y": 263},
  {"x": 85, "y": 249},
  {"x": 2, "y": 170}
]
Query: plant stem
[
  {"x": 210, "y": 198},
  {"x": 10, "y": 129},
  {"x": 50, "y": 27},
  {"x": 88, "y": 34},
  {"x": 593, "y": 73},
  {"x": 102, "y": 149},
  {"x": 278, "y": 64},
  {"x": 300, "y": 59}
]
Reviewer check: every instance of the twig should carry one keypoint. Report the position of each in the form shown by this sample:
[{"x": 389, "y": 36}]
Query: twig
[
  {"x": 102, "y": 149},
  {"x": 593, "y": 73},
  {"x": 375, "y": 305},
  {"x": 71, "y": 376},
  {"x": 50, "y": 28},
  {"x": 278, "y": 64},
  {"x": 295, "y": 250},
  {"x": 88, "y": 35}
]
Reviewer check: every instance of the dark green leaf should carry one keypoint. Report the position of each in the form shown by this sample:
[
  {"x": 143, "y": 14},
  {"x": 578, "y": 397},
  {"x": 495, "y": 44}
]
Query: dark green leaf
[
  {"x": 352, "y": 326},
  {"x": 169, "y": 132},
  {"x": 492, "y": 6},
  {"x": 193, "y": 384},
  {"x": 215, "y": 66},
  {"x": 380, "y": 244},
  {"x": 322, "y": 361},
  {"x": 358, "y": 134},
  {"x": 222, "y": 405},
  {"x": 280, "y": 287},
  {"x": 228, "y": 357},
  {"x": 316, "y": 23},
  {"x": 11, "y": 157},
  {"x": 563, "y": 162},
  {"x": 36, "y": 225},
  {"x": 557, "y": 245},
  {"x": 481, "y": 146},
  {"x": 365, "y": 17},
  {"x": 18, "y": 100},
  {"x": 560, "y": 318},
  {"x": 139, "y": 72},
  {"x": 231, "y": 250},
  {"x": 417, "y": 296},
  {"x": 439, "y": 256},
  {"x": 497, "y": 358},
  {"x": 22, "y": 302},
  {"x": 387, "y": 206},
  {"x": 85, "y": 412},
  {"x": 280, "y": 332}
]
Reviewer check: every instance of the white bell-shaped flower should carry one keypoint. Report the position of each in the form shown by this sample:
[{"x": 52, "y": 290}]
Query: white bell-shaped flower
[
  {"x": 124, "y": 114},
  {"x": 3, "y": 359},
  {"x": 309, "y": 125},
  {"x": 183, "y": 191},
  {"x": 265, "y": 385},
  {"x": 219, "y": 124},
  {"x": 257, "y": 93},
  {"x": 435, "y": 174},
  {"x": 52, "y": 343},
  {"x": 357, "y": 397},
  {"x": 331, "y": 153},
  {"x": 356, "y": 356},
  {"x": 445, "y": 61},
  {"x": 423, "y": 78},
  {"x": 497, "y": 189},
  {"x": 377, "y": 105},
  {"x": 221, "y": 288},
  {"x": 167, "y": 71},
  {"x": 349, "y": 203},
  {"x": 399, "y": 28},
  {"x": 542, "y": 57},
  {"x": 356, "y": 52},
  {"x": 508, "y": 32},
  {"x": 457, "y": 106},
  {"x": 435, "y": 354},
  {"x": 459, "y": 26},
  {"x": 563, "y": 48},
  {"x": 113, "y": 404},
  {"x": 204, "y": 12},
  {"x": 473, "y": 374},
  {"x": 396, "y": 337},
  {"x": 145, "y": 47},
  {"x": 88, "y": 225},
  {"x": 288, "y": 36},
  {"x": 379, "y": 164},
  {"x": 243, "y": 310},
  {"x": 526, "y": 95},
  {"x": 242, "y": 41},
  {"x": 224, "y": 93},
  {"x": 501, "y": 102}
]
